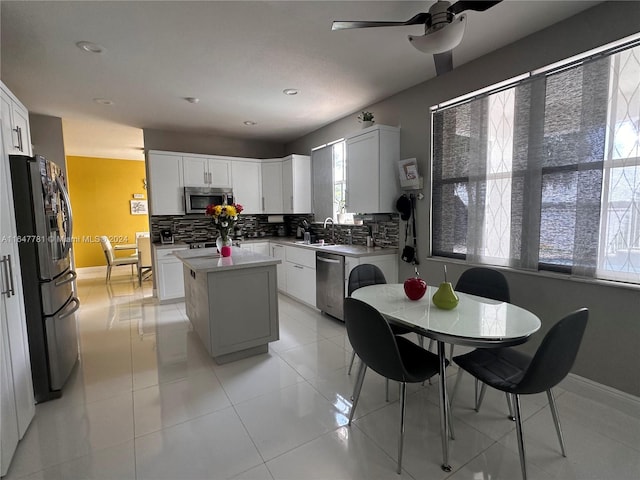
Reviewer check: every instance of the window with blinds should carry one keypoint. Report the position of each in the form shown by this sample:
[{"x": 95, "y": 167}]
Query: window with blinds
[{"x": 544, "y": 174}]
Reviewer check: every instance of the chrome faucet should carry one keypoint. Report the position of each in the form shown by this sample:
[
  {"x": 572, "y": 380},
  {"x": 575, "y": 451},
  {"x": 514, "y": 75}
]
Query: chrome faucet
[{"x": 333, "y": 228}]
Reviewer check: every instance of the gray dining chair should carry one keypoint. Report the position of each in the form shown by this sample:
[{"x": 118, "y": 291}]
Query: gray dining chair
[
  {"x": 144, "y": 258},
  {"x": 392, "y": 356},
  {"x": 516, "y": 373},
  {"x": 362, "y": 276},
  {"x": 482, "y": 282}
]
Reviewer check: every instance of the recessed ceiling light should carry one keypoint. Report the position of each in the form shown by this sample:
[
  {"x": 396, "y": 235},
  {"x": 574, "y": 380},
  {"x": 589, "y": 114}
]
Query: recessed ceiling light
[
  {"x": 192, "y": 99},
  {"x": 90, "y": 47},
  {"x": 104, "y": 101},
  {"x": 290, "y": 91},
  {"x": 250, "y": 123}
]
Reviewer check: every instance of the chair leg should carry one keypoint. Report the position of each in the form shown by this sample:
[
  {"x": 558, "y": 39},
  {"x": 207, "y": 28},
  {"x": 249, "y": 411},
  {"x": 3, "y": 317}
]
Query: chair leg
[
  {"x": 480, "y": 397},
  {"x": 511, "y": 417},
  {"x": 516, "y": 407},
  {"x": 108, "y": 273},
  {"x": 556, "y": 421},
  {"x": 356, "y": 390},
  {"x": 353, "y": 357},
  {"x": 451, "y": 352},
  {"x": 455, "y": 385},
  {"x": 420, "y": 340},
  {"x": 403, "y": 394}
]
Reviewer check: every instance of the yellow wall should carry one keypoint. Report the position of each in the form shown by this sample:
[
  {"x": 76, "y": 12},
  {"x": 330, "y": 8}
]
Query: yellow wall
[{"x": 101, "y": 190}]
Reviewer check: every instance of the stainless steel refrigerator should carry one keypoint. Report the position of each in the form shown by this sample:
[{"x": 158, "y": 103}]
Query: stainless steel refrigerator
[{"x": 44, "y": 225}]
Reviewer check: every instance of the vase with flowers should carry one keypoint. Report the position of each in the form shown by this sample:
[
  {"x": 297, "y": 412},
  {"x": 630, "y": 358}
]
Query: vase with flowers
[{"x": 224, "y": 218}]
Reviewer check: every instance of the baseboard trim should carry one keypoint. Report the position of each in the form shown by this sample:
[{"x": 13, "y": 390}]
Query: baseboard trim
[{"x": 622, "y": 401}]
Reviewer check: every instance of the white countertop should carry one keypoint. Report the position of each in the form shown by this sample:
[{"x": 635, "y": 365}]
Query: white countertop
[
  {"x": 346, "y": 250},
  {"x": 209, "y": 260}
]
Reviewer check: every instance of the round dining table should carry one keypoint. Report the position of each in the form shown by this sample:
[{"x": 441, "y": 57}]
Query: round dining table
[{"x": 475, "y": 321}]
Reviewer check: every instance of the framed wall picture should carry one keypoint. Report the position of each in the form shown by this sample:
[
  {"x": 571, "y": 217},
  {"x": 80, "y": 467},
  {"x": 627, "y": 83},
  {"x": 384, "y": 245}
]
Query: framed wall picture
[
  {"x": 139, "y": 207},
  {"x": 408, "y": 173}
]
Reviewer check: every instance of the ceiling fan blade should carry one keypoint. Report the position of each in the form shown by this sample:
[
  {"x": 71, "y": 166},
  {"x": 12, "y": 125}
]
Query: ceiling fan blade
[
  {"x": 444, "y": 62},
  {"x": 420, "y": 18},
  {"x": 478, "y": 6}
]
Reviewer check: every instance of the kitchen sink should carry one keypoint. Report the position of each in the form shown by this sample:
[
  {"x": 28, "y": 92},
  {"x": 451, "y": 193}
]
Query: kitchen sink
[{"x": 317, "y": 244}]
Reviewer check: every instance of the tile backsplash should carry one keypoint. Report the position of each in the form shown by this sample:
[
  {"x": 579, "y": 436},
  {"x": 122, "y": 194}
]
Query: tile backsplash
[{"x": 200, "y": 228}]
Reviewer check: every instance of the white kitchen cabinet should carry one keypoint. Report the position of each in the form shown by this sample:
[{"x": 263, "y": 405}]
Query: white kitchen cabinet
[
  {"x": 203, "y": 171},
  {"x": 278, "y": 251},
  {"x": 17, "y": 403},
  {"x": 387, "y": 263},
  {"x": 169, "y": 275},
  {"x": 296, "y": 184},
  {"x": 300, "y": 269},
  {"x": 272, "y": 194},
  {"x": 262, "y": 248},
  {"x": 372, "y": 170},
  {"x": 247, "y": 185},
  {"x": 166, "y": 184},
  {"x": 15, "y": 124}
]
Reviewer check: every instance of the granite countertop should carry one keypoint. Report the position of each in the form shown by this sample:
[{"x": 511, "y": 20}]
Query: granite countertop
[{"x": 209, "y": 260}]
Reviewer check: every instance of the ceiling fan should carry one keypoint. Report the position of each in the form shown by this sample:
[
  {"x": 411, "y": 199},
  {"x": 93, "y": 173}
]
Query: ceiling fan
[{"x": 444, "y": 28}]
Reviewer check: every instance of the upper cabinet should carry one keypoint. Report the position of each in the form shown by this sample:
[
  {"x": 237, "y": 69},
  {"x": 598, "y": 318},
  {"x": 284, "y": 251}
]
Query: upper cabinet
[
  {"x": 286, "y": 185},
  {"x": 372, "y": 162},
  {"x": 296, "y": 184},
  {"x": 277, "y": 186},
  {"x": 166, "y": 184},
  {"x": 247, "y": 185},
  {"x": 272, "y": 194},
  {"x": 15, "y": 125},
  {"x": 203, "y": 171}
]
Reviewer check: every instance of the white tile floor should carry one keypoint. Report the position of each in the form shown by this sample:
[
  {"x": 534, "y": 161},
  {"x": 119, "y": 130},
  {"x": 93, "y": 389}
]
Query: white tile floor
[{"x": 146, "y": 402}]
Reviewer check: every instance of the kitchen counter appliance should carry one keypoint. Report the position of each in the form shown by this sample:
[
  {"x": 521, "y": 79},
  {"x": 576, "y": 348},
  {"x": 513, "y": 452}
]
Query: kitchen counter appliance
[
  {"x": 44, "y": 226},
  {"x": 330, "y": 284},
  {"x": 197, "y": 199}
]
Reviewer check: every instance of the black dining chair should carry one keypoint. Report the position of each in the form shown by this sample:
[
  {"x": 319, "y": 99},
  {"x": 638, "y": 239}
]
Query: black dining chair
[
  {"x": 391, "y": 356},
  {"x": 363, "y": 276},
  {"x": 515, "y": 373},
  {"x": 482, "y": 282}
]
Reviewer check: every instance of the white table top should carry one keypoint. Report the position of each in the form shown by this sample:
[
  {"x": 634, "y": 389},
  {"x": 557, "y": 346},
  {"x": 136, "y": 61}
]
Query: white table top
[{"x": 476, "y": 321}]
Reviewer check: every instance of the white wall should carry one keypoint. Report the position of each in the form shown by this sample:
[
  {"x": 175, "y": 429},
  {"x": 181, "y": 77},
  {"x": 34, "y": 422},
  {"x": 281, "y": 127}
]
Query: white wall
[{"x": 610, "y": 352}]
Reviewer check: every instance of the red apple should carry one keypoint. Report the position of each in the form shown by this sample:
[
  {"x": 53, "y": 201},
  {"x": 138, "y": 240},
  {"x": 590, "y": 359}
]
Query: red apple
[{"x": 415, "y": 287}]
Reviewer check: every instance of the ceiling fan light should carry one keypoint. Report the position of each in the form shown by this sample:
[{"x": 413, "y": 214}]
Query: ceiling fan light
[{"x": 442, "y": 40}]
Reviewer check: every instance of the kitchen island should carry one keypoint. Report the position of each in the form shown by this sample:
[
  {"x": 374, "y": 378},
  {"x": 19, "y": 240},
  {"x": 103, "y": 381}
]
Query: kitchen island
[{"x": 232, "y": 302}]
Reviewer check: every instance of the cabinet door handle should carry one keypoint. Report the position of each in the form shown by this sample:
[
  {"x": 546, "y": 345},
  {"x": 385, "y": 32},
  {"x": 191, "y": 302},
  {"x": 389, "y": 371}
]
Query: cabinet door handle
[
  {"x": 298, "y": 266},
  {"x": 263, "y": 204},
  {"x": 204, "y": 175},
  {"x": 292, "y": 203},
  {"x": 18, "y": 131},
  {"x": 8, "y": 275}
]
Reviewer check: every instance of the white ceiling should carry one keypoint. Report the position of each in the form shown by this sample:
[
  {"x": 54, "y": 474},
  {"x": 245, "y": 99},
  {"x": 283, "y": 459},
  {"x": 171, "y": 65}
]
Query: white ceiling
[{"x": 235, "y": 56}]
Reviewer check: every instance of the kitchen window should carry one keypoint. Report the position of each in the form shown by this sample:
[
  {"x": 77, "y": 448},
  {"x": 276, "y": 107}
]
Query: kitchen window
[{"x": 544, "y": 173}]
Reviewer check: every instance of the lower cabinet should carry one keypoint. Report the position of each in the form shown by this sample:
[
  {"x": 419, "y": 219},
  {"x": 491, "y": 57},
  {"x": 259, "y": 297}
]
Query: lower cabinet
[
  {"x": 300, "y": 271},
  {"x": 278, "y": 251},
  {"x": 169, "y": 279},
  {"x": 387, "y": 263}
]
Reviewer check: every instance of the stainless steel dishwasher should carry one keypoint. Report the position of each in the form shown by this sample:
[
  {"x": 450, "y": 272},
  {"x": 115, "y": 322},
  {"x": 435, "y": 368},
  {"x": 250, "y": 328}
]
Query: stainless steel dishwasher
[{"x": 330, "y": 283}]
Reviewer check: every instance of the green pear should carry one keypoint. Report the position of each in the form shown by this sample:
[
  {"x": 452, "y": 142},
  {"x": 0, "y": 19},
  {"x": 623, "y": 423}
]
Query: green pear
[{"x": 445, "y": 298}]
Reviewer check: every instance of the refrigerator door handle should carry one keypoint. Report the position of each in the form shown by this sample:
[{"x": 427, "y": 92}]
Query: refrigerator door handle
[
  {"x": 71, "y": 276},
  {"x": 8, "y": 275},
  {"x": 72, "y": 311},
  {"x": 68, "y": 234}
]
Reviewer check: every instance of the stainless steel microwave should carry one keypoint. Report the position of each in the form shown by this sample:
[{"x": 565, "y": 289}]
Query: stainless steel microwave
[{"x": 196, "y": 199}]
